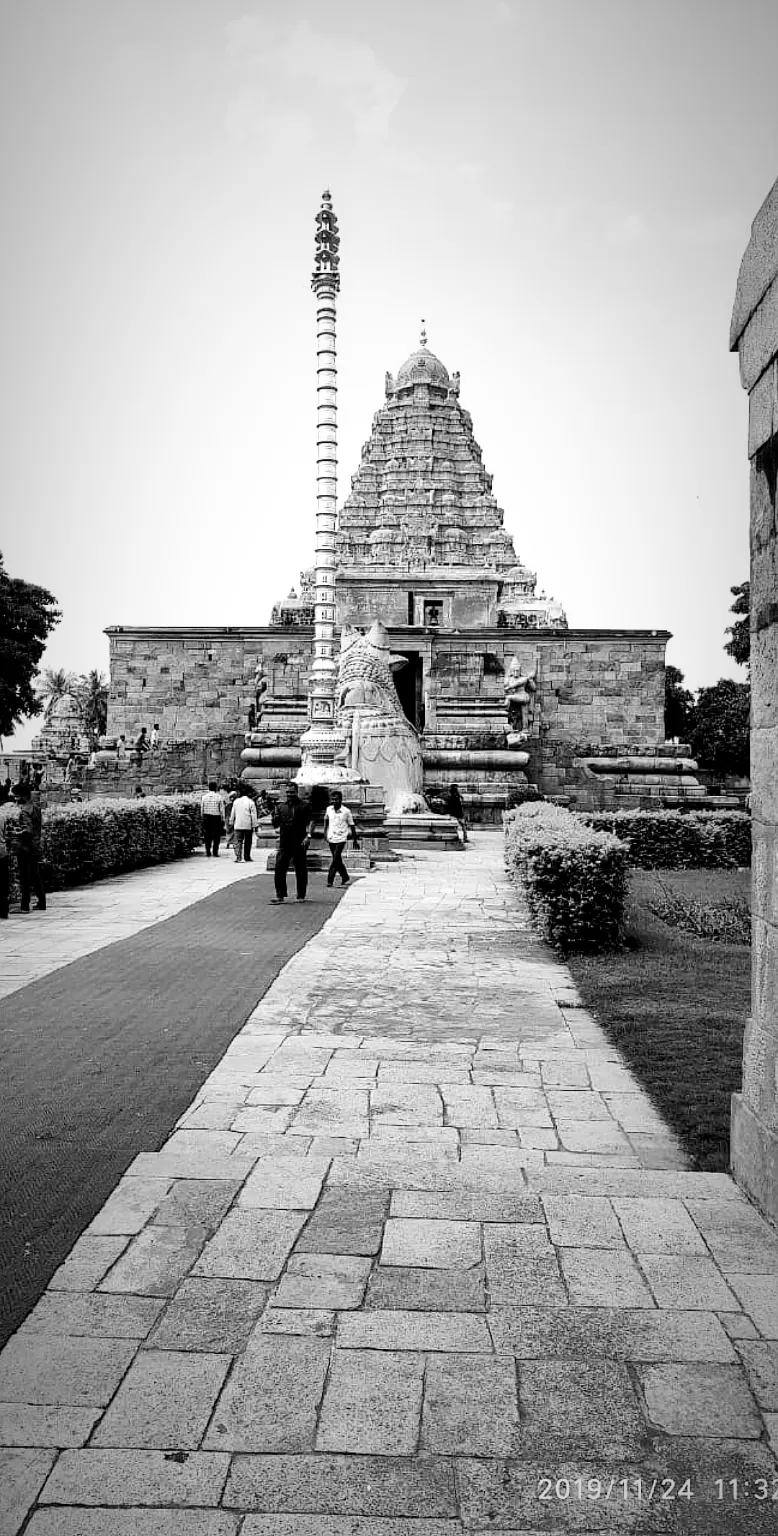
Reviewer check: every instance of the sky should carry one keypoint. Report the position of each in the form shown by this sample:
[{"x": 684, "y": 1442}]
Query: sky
[{"x": 563, "y": 189}]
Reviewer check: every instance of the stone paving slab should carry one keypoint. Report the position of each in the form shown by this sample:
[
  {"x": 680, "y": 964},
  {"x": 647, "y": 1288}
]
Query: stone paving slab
[
  {"x": 270, "y": 1402},
  {"x": 136, "y": 1477},
  {"x": 141, "y": 1521},
  {"x": 345, "y": 1525},
  {"x": 371, "y": 1288},
  {"x": 331, "y": 1484},
  {"x": 165, "y": 1401}
]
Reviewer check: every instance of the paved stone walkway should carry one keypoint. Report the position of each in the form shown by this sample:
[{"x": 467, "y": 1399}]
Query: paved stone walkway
[
  {"x": 79, "y": 921},
  {"x": 420, "y": 1259}
]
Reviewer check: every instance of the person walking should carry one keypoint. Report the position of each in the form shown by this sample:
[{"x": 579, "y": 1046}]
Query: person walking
[
  {"x": 28, "y": 847},
  {"x": 141, "y": 744},
  {"x": 338, "y": 827},
  {"x": 243, "y": 820},
  {"x": 213, "y": 806},
  {"x": 230, "y": 838},
  {"x": 295, "y": 825}
]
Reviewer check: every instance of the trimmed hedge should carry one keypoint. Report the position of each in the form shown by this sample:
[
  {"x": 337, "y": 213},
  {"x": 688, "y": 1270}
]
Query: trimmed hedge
[
  {"x": 82, "y": 843},
  {"x": 575, "y": 877},
  {"x": 679, "y": 839}
]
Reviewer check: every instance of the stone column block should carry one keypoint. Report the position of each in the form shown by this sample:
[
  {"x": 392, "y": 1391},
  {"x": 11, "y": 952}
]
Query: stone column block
[{"x": 754, "y": 334}]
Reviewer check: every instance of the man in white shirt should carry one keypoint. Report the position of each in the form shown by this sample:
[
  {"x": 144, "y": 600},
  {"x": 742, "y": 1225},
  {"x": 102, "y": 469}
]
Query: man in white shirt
[
  {"x": 213, "y": 806},
  {"x": 243, "y": 820},
  {"x": 338, "y": 827}
]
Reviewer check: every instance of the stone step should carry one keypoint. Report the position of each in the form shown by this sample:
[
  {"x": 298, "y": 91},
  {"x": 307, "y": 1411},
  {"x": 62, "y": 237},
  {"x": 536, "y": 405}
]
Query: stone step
[{"x": 356, "y": 863}]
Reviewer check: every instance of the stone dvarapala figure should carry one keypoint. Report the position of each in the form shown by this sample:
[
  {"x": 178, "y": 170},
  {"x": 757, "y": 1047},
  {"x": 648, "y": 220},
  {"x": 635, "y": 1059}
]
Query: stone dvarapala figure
[{"x": 520, "y": 688}]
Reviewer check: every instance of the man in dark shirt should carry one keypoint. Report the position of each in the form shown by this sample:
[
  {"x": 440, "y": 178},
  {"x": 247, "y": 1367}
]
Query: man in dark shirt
[
  {"x": 295, "y": 824},
  {"x": 454, "y": 807},
  {"x": 28, "y": 846}
]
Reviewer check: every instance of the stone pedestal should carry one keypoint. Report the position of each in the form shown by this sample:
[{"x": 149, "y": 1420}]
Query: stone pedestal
[{"x": 754, "y": 335}]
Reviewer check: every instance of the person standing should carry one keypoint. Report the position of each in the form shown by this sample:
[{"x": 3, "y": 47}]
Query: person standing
[
  {"x": 243, "y": 820},
  {"x": 28, "y": 847},
  {"x": 140, "y": 744},
  {"x": 455, "y": 808},
  {"x": 213, "y": 807},
  {"x": 121, "y": 749},
  {"x": 295, "y": 824},
  {"x": 338, "y": 827},
  {"x": 5, "y": 875},
  {"x": 155, "y": 737}
]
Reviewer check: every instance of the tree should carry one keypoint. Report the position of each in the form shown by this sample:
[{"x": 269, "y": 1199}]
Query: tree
[
  {"x": 91, "y": 691},
  {"x": 27, "y": 616},
  {"x": 679, "y": 706},
  {"x": 720, "y": 734},
  {"x": 739, "y": 646},
  {"x": 55, "y": 684}
]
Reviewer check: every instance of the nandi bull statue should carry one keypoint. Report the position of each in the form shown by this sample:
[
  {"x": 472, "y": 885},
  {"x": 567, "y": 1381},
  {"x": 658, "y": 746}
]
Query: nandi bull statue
[{"x": 381, "y": 744}]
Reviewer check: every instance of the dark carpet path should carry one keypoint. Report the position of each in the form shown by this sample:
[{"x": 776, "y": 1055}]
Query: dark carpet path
[{"x": 99, "y": 1060}]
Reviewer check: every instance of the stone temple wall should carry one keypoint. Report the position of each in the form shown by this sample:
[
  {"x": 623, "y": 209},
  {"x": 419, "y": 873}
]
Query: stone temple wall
[
  {"x": 754, "y": 334},
  {"x": 597, "y": 689},
  {"x": 198, "y": 683},
  {"x": 179, "y": 767}
]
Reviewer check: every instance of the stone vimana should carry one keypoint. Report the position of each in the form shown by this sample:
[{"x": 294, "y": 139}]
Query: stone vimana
[{"x": 503, "y": 693}]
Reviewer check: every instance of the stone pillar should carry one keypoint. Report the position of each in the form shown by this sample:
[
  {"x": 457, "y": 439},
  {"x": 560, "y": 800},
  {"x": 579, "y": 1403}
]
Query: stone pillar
[
  {"x": 754, "y": 335},
  {"x": 322, "y": 742}
]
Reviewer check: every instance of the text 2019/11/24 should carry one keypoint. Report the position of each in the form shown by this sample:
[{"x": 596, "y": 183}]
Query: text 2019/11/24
[{"x": 644, "y": 1490}]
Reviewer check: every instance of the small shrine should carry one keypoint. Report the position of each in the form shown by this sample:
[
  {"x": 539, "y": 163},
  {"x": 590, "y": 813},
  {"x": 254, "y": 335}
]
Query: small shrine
[{"x": 62, "y": 731}]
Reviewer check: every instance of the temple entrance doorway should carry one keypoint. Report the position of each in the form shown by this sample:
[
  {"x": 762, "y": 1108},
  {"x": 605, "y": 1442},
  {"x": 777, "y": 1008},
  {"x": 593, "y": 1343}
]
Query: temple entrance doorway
[{"x": 410, "y": 691}]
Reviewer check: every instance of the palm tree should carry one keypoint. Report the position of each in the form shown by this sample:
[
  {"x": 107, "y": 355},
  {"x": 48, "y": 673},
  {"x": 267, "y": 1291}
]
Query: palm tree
[
  {"x": 53, "y": 685},
  {"x": 92, "y": 693}
]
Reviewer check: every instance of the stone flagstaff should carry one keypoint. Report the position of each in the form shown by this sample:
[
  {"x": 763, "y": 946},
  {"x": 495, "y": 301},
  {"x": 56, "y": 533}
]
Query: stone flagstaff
[{"x": 322, "y": 741}]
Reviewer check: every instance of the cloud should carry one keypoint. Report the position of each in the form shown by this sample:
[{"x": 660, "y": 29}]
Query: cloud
[
  {"x": 715, "y": 228},
  {"x": 711, "y": 229},
  {"x": 629, "y": 228},
  {"x": 502, "y": 209},
  {"x": 345, "y": 75},
  {"x": 249, "y": 120}
]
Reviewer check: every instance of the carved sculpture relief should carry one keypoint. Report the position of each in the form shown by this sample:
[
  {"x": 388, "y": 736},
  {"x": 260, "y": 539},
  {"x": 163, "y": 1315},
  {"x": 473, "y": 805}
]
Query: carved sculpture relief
[
  {"x": 381, "y": 744},
  {"x": 327, "y": 239},
  {"x": 520, "y": 691}
]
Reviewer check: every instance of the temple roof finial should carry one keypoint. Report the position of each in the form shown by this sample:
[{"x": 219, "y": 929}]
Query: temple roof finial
[{"x": 423, "y": 337}]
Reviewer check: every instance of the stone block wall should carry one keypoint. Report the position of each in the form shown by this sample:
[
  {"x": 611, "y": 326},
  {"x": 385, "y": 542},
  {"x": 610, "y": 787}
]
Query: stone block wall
[
  {"x": 597, "y": 690},
  {"x": 754, "y": 335},
  {"x": 198, "y": 683},
  {"x": 178, "y": 767}
]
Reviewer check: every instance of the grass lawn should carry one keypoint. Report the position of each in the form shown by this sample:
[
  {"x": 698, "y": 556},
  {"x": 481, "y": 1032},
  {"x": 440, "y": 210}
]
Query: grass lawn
[{"x": 676, "y": 1007}]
